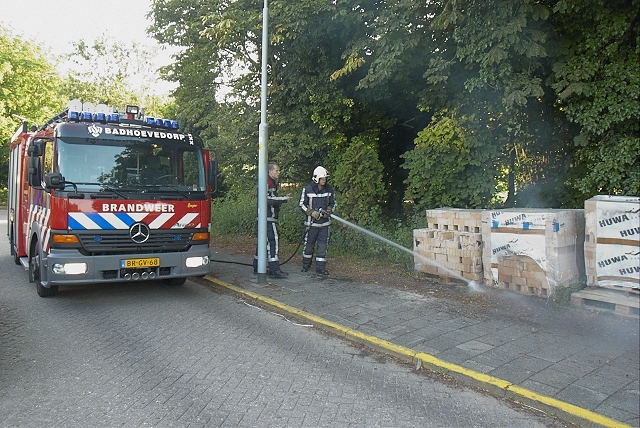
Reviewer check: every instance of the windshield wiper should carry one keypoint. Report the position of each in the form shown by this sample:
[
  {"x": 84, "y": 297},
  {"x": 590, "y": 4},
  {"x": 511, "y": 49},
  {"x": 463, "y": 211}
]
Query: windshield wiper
[
  {"x": 104, "y": 194},
  {"x": 157, "y": 187}
]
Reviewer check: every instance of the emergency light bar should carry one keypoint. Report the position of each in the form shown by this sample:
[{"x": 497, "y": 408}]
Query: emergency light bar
[
  {"x": 161, "y": 123},
  {"x": 87, "y": 112}
]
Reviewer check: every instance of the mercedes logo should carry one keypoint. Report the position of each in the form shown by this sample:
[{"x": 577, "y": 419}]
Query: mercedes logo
[{"x": 139, "y": 232}]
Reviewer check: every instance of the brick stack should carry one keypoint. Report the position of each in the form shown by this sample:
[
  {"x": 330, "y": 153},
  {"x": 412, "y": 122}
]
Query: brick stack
[
  {"x": 532, "y": 251},
  {"x": 612, "y": 242},
  {"x": 522, "y": 274},
  {"x": 451, "y": 245}
]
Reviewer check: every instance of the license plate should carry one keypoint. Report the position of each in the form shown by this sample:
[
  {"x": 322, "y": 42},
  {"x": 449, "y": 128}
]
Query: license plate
[{"x": 139, "y": 263}]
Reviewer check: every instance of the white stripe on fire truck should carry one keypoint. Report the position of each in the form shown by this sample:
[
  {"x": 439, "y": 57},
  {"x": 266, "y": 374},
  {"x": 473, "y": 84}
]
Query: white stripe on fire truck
[
  {"x": 184, "y": 221},
  {"x": 160, "y": 220},
  {"x": 45, "y": 244},
  {"x": 26, "y": 235},
  {"x": 81, "y": 221},
  {"x": 138, "y": 216},
  {"x": 115, "y": 221}
]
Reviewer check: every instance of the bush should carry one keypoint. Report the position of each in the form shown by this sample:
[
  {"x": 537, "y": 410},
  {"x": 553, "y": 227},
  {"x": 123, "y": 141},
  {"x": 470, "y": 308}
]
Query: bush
[
  {"x": 3, "y": 196},
  {"x": 350, "y": 241},
  {"x": 562, "y": 296},
  {"x": 236, "y": 216}
]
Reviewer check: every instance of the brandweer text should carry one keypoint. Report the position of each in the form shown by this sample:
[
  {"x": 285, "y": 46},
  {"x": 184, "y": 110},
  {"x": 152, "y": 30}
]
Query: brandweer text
[{"x": 139, "y": 208}]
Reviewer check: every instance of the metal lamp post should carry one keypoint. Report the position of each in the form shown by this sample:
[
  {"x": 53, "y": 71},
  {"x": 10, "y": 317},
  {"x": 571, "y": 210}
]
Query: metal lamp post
[{"x": 262, "y": 156}]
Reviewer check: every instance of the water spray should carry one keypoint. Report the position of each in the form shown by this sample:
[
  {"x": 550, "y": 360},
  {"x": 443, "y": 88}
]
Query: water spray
[{"x": 471, "y": 284}]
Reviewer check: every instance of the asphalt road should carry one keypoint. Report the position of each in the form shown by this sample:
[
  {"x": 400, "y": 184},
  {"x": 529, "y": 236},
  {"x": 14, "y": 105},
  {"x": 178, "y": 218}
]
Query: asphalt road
[{"x": 147, "y": 354}]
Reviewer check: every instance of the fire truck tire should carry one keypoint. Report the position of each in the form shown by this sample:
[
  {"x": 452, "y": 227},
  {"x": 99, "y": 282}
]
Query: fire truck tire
[
  {"x": 176, "y": 282},
  {"x": 34, "y": 272}
]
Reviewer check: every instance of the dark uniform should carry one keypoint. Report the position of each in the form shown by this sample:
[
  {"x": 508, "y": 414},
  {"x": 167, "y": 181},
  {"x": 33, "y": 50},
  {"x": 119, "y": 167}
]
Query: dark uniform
[
  {"x": 321, "y": 200},
  {"x": 273, "y": 210}
]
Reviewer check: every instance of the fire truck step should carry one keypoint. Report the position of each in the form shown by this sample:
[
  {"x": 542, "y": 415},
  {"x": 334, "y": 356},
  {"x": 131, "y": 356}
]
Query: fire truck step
[{"x": 24, "y": 261}]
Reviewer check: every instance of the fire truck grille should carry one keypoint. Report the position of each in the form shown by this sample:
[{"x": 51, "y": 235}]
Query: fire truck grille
[{"x": 119, "y": 242}]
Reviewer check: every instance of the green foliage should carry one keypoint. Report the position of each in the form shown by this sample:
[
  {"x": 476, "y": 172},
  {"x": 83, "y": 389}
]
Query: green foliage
[
  {"x": 358, "y": 178},
  {"x": 102, "y": 73},
  {"x": 236, "y": 216},
  {"x": 446, "y": 168},
  {"x": 562, "y": 295},
  {"x": 29, "y": 87},
  {"x": 524, "y": 78},
  {"x": 597, "y": 81},
  {"x": 3, "y": 195},
  {"x": 348, "y": 241}
]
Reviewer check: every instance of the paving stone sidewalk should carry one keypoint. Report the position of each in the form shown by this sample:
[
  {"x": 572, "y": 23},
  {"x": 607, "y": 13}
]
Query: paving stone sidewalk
[{"x": 586, "y": 359}]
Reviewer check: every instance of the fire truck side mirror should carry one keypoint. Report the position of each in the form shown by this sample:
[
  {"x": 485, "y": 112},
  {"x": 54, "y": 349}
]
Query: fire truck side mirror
[
  {"x": 35, "y": 149},
  {"x": 212, "y": 179},
  {"x": 54, "y": 180},
  {"x": 33, "y": 171}
]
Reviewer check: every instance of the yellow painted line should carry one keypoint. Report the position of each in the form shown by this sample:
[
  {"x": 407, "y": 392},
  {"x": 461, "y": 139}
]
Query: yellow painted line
[
  {"x": 412, "y": 355},
  {"x": 290, "y": 309},
  {"x": 430, "y": 359},
  {"x": 569, "y": 408},
  {"x": 400, "y": 351}
]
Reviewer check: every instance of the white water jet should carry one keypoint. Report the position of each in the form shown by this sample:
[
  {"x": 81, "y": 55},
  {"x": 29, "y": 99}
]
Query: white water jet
[{"x": 473, "y": 285}]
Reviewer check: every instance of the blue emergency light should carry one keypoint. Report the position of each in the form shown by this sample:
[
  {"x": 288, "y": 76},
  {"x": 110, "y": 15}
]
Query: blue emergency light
[{"x": 161, "y": 123}]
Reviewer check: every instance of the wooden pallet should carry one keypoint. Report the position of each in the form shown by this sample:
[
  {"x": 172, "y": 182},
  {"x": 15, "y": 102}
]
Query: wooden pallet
[{"x": 606, "y": 299}]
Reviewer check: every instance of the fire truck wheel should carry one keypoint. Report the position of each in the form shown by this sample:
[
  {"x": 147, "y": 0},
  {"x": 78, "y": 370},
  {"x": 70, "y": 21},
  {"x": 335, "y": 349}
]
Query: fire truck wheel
[
  {"x": 175, "y": 281},
  {"x": 34, "y": 272}
]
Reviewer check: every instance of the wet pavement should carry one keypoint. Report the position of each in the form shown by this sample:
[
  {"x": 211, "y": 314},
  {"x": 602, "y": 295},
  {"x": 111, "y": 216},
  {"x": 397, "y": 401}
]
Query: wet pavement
[{"x": 580, "y": 365}]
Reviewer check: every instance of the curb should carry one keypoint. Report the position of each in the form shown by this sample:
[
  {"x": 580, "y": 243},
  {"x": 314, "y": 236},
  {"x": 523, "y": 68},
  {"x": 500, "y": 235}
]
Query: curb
[{"x": 496, "y": 386}]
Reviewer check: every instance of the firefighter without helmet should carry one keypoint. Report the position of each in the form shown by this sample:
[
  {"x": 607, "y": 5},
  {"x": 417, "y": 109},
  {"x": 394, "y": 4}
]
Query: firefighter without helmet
[{"x": 319, "y": 173}]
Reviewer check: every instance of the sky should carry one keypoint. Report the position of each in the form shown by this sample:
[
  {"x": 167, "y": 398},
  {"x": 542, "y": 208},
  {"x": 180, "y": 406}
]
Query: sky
[{"x": 55, "y": 24}]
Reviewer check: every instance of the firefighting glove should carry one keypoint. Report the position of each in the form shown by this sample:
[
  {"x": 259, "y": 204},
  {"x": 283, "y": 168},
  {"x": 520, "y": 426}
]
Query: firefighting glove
[{"x": 311, "y": 212}]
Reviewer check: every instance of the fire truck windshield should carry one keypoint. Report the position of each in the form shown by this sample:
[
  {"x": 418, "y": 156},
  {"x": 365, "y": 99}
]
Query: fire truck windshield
[{"x": 131, "y": 165}]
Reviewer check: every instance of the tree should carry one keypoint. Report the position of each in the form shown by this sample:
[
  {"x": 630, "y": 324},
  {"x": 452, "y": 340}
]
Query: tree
[
  {"x": 449, "y": 167},
  {"x": 515, "y": 80},
  {"x": 358, "y": 177},
  {"x": 29, "y": 88},
  {"x": 310, "y": 114},
  {"x": 102, "y": 72},
  {"x": 597, "y": 81}
]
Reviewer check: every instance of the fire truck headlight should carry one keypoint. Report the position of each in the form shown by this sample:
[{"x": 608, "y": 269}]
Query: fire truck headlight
[
  {"x": 194, "y": 262},
  {"x": 69, "y": 268}
]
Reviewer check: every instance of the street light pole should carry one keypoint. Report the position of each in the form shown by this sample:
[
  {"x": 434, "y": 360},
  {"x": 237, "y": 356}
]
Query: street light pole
[{"x": 262, "y": 156}]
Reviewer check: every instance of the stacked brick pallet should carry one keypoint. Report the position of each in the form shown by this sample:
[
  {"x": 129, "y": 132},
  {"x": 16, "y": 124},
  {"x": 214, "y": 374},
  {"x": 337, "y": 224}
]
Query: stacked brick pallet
[
  {"x": 612, "y": 242},
  {"x": 612, "y": 255},
  {"x": 532, "y": 251},
  {"x": 451, "y": 245}
]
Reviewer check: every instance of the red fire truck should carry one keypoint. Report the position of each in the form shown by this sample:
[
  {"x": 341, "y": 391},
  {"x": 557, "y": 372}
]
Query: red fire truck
[{"x": 98, "y": 195}]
